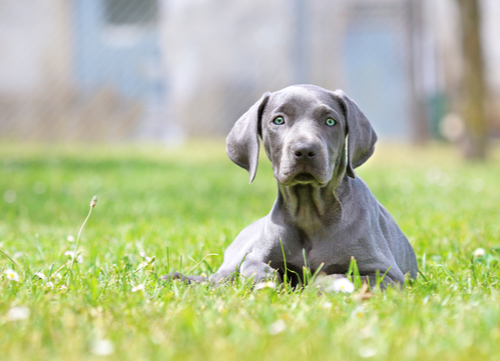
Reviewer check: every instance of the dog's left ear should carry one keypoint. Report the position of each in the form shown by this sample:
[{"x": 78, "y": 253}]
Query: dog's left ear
[
  {"x": 361, "y": 137},
  {"x": 242, "y": 143}
]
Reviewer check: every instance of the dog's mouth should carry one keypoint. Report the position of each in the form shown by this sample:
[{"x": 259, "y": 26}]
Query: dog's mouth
[
  {"x": 305, "y": 178},
  {"x": 301, "y": 175}
]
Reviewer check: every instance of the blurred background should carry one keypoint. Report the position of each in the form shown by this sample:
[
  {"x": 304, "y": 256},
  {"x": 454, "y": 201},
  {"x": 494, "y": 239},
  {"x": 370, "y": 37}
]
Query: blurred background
[{"x": 164, "y": 71}]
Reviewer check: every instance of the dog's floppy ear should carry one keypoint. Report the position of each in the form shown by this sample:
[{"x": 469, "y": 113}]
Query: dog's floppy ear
[
  {"x": 361, "y": 137},
  {"x": 242, "y": 143}
]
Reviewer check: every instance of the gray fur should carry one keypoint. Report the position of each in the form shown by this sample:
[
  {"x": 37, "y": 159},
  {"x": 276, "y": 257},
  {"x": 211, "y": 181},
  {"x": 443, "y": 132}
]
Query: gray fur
[{"x": 323, "y": 210}]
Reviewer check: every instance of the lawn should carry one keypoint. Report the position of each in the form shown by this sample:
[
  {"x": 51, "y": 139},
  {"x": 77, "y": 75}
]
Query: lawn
[{"x": 184, "y": 206}]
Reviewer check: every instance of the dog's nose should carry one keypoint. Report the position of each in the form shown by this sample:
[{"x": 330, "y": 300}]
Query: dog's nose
[{"x": 304, "y": 151}]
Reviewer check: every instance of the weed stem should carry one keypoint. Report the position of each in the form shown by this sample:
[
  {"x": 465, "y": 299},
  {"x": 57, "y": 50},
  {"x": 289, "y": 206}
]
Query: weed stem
[
  {"x": 9, "y": 257},
  {"x": 93, "y": 202}
]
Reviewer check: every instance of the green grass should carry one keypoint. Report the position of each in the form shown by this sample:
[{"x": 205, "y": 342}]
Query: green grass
[{"x": 181, "y": 205}]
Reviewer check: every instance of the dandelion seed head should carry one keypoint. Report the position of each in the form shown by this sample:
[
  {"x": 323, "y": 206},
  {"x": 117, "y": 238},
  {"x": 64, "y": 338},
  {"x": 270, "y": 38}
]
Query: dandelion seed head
[{"x": 93, "y": 202}]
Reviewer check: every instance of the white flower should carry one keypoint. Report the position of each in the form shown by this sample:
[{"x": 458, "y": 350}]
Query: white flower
[
  {"x": 70, "y": 238},
  {"x": 102, "y": 347},
  {"x": 358, "y": 312},
  {"x": 277, "y": 327},
  {"x": 479, "y": 252},
  {"x": 41, "y": 276},
  {"x": 18, "y": 313},
  {"x": 63, "y": 287},
  {"x": 342, "y": 284},
  {"x": 335, "y": 283},
  {"x": 146, "y": 258},
  {"x": 50, "y": 284},
  {"x": 71, "y": 254},
  {"x": 327, "y": 306},
  {"x": 268, "y": 284},
  {"x": 12, "y": 275},
  {"x": 139, "y": 287}
]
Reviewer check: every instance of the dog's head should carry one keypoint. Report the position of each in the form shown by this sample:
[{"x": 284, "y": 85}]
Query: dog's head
[{"x": 309, "y": 134}]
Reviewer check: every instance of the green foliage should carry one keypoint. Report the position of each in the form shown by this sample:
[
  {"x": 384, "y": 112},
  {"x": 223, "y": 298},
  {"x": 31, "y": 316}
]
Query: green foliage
[{"x": 183, "y": 205}]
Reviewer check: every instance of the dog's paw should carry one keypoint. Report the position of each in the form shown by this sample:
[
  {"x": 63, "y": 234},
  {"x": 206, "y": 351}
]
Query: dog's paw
[{"x": 182, "y": 278}]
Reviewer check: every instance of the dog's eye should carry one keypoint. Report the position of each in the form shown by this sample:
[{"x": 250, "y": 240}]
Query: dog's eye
[
  {"x": 330, "y": 122},
  {"x": 279, "y": 121}
]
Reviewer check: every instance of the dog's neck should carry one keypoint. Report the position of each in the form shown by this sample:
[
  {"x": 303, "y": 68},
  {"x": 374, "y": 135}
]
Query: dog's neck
[
  {"x": 309, "y": 208},
  {"x": 312, "y": 208}
]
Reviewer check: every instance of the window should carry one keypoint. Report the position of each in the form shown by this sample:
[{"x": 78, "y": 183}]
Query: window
[{"x": 131, "y": 12}]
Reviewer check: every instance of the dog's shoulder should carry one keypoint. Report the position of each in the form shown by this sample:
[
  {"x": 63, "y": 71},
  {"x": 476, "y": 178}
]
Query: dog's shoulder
[{"x": 356, "y": 193}]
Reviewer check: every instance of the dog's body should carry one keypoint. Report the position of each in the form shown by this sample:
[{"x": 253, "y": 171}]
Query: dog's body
[{"x": 324, "y": 215}]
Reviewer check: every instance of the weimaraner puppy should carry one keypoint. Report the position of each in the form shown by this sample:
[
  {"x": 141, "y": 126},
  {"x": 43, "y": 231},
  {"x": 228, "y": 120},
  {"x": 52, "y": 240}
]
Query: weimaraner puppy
[{"x": 324, "y": 213}]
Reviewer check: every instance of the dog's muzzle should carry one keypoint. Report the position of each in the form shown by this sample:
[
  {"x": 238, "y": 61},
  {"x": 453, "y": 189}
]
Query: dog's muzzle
[{"x": 304, "y": 163}]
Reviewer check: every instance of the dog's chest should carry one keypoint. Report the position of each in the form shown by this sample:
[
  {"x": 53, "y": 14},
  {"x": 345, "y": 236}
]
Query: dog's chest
[{"x": 316, "y": 252}]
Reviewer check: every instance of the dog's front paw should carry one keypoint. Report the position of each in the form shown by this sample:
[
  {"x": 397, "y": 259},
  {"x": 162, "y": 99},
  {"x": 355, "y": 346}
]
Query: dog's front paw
[{"x": 182, "y": 278}]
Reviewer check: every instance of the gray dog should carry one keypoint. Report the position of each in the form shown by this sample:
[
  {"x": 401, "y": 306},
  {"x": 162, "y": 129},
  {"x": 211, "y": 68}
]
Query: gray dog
[{"x": 324, "y": 214}]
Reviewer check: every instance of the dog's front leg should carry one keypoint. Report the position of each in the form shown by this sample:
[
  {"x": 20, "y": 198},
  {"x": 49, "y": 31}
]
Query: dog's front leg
[
  {"x": 249, "y": 268},
  {"x": 186, "y": 279},
  {"x": 258, "y": 271}
]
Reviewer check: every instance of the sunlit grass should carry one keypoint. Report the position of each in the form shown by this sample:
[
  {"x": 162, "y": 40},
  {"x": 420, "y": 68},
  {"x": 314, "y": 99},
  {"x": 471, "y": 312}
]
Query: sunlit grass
[{"x": 181, "y": 205}]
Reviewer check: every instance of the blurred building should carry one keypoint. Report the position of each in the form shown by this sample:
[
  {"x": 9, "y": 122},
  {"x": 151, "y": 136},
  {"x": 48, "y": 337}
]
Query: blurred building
[
  {"x": 105, "y": 70},
  {"x": 225, "y": 54}
]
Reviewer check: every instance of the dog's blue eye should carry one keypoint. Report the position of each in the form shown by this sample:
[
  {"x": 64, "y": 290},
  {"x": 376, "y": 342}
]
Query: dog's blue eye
[
  {"x": 330, "y": 122},
  {"x": 279, "y": 121}
]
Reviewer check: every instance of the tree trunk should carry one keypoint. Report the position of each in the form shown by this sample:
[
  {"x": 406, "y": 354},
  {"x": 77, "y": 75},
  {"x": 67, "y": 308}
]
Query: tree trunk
[{"x": 472, "y": 92}]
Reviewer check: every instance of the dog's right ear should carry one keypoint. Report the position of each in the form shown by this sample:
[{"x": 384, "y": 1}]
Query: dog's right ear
[{"x": 242, "y": 143}]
